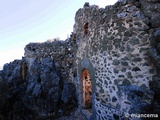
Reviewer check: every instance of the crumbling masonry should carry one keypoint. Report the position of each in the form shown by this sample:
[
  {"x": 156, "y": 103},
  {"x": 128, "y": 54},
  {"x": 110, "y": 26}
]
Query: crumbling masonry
[{"x": 112, "y": 57}]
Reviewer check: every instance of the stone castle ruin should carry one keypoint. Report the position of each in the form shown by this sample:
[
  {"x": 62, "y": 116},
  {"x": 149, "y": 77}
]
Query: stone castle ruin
[{"x": 108, "y": 69}]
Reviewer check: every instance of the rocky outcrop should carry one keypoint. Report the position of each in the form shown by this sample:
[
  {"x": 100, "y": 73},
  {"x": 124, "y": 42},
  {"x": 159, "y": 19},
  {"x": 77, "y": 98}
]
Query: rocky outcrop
[
  {"x": 40, "y": 93},
  {"x": 155, "y": 86},
  {"x": 151, "y": 9},
  {"x": 12, "y": 91},
  {"x": 154, "y": 54}
]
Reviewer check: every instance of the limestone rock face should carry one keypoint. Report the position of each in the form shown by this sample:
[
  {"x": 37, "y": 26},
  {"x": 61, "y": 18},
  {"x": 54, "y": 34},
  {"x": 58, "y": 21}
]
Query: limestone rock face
[
  {"x": 12, "y": 90},
  {"x": 42, "y": 95}
]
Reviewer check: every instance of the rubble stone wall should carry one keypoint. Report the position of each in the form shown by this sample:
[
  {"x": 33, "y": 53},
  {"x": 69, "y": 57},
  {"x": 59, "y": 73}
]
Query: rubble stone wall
[
  {"x": 61, "y": 52},
  {"x": 116, "y": 41}
]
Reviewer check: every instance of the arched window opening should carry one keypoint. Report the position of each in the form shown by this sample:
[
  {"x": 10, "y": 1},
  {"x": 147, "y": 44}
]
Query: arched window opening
[
  {"x": 85, "y": 28},
  {"x": 87, "y": 90}
]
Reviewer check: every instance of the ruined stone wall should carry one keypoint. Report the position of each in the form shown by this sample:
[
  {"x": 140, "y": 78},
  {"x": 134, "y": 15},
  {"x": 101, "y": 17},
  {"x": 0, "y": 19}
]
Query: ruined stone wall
[
  {"x": 116, "y": 41},
  {"x": 50, "y": 74},
  {"x": 61, "y": 52}
]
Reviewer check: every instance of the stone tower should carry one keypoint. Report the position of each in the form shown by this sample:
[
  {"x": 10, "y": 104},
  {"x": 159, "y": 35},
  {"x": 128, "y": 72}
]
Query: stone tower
[{"x": 113, "y": 50}]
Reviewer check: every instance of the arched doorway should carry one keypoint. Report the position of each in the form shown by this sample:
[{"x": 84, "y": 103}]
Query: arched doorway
[{"x": 86, "y": 90}]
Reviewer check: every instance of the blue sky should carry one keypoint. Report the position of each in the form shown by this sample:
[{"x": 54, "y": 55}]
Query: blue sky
[{"x": 25, "y": 21}]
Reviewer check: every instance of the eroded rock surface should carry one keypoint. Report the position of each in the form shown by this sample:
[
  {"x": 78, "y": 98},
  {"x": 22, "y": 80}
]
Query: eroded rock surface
[{"x": 43, "y": 94}]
